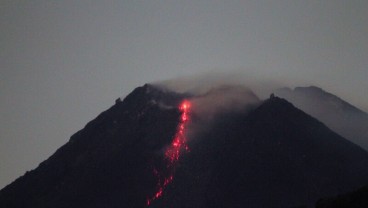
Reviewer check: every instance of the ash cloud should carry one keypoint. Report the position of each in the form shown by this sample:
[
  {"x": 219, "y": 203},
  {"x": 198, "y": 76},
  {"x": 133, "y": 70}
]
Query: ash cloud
[
  {"x": 200, "y": 84},
  {"x": 224, "y": 98},
  {"x": 213, "y": 93},
  {"x": 208, "y": 106}
]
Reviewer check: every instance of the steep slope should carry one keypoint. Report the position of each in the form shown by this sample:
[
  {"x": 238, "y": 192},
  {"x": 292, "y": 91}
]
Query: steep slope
[
  {"x": 106, "y": 164},
  {"x": 264, "y": 155},
  {"x": 274, "y": 156},
  {"x": 337, "y": 114}
]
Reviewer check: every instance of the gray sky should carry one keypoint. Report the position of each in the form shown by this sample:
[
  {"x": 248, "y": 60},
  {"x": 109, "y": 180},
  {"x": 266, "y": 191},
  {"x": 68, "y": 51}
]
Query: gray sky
[{"x": 64, "y": 62}]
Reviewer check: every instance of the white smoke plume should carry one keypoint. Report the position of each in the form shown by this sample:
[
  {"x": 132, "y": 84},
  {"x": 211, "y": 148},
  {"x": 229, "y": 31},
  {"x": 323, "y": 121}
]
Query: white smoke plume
[
  {"x": 223, "y": 98},
  {"x": 200, "y": 84},
  {"x": 214, "y": 93}
]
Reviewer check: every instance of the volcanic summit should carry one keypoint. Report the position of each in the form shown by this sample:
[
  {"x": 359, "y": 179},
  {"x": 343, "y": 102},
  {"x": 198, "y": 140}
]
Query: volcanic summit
[{"x": 156, "y": 149}]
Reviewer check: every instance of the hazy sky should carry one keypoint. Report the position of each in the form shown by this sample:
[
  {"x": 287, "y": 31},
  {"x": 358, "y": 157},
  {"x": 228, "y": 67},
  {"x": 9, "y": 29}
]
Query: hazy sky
[{"x": 64, "y": 62}]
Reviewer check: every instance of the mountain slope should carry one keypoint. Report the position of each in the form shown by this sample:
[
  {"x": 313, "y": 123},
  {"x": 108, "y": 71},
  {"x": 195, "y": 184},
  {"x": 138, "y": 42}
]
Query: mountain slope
[
  {"x": 106, "y": 164},
  {"x": 337, "y": 114},
  {"x": 275, "y": 156},
  {"x": 265, "y": 155}
]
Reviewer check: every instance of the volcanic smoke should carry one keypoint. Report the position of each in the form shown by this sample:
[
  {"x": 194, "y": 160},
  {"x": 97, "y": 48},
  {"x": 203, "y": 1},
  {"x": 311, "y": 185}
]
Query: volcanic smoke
[{"x": 172, "y": 153}]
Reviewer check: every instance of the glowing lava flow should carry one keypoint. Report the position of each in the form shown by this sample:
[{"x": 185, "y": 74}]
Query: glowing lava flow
[{"x": 172, "y": 154}]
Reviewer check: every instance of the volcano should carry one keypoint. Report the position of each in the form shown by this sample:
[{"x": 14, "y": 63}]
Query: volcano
[
  {"x": 339, "y": 115},
  {"x": 153, "y": 150}
]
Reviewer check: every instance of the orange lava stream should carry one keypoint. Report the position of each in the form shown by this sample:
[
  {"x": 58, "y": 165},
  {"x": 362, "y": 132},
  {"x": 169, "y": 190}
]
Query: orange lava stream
[{"x": 172, "y": 154}]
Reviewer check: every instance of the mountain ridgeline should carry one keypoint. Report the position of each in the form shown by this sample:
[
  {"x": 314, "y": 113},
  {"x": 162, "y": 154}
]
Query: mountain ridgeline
[
  {"x": 337, "y": 114},
  {"x": 266, "y": 154},
  {"x": 106, "y": 164}
]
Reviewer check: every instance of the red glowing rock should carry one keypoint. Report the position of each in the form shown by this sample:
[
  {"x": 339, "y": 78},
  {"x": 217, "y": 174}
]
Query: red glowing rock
[{"x": 172, "y": 154}]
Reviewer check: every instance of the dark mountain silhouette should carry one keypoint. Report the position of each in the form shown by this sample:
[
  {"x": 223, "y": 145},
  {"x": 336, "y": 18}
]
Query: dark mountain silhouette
[
  {"x": 106, "y": 164},
  {"x": 275, "y": 156},
  {"x": 337, "y": 114},
  {"x": 355, "y": 199},
  {"x": 267, "y": 155}
]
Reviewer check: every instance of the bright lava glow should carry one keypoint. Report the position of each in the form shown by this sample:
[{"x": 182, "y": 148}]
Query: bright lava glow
[{"x": 172, "y": 153}]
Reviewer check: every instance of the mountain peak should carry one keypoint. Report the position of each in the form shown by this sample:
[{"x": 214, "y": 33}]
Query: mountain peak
[
  {"x": 310, "y": 88},
  {"x": 272, "y": 155},
  {"x": 337, "y": 114},
  {"x": 149, "y": 92},
  {"x": 275, "y": 148},
  {"x": 318, "y": 93}
]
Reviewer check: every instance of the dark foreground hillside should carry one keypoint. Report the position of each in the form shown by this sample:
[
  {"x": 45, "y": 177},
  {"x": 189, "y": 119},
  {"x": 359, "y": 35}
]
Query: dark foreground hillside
[
  {"x": 355, "y": 199},
  {"x": 271, "y": 156}
]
